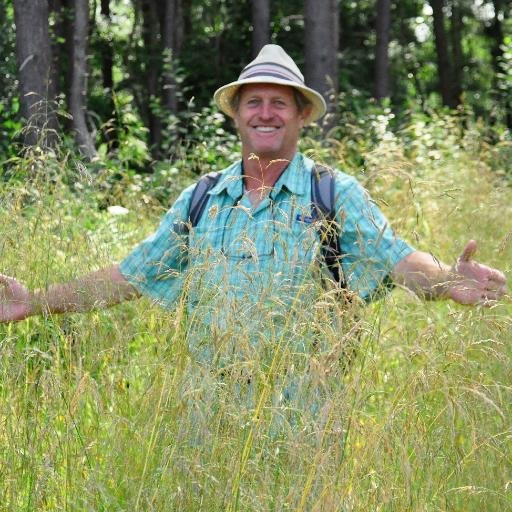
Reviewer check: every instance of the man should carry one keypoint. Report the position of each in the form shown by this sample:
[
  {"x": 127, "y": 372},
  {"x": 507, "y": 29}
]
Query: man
[{"x": 254, "y": 244}]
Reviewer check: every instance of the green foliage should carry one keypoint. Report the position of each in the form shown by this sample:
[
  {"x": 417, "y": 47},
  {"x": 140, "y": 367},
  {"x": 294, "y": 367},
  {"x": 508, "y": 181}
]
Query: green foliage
[
  {"x": 205, "y": 146},
  {"x": 109, "y": 411},
  {"x": 129, "y": 175},
  {"x": 216, "y": 52},
  {"x": 9, "y": 102},
  {"x": 504, "y": 81},
  {"x": 217, "y": 45}
]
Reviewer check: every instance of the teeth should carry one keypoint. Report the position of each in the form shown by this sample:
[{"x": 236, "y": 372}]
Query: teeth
[{"x": 266, "y": 128}]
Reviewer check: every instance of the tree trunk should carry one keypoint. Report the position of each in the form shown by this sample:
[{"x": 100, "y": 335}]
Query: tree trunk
[
  {"x": 180, "y": 25},
  {"x": 61, "y": 36},
  {"x": 381, "y": 49},
  {"x": 321, "y": 51},
  {"x": 260, "y": 25},
  {"x": 78, "y": 93},
  {"x": 457, "y": 55},
  {"x": 150, "y": 31},
  {"x": 56, "y": 35},
  {"x": 444, "y": 65},
  {"x": 107, "y": 64},
  {"x": 171, "y": 34},
  {"x": 107, "y": 53},
  {"x": 186, "y": 10},
  {"x": 495, "y": 33},
  {"x": 33, "y": 55}
]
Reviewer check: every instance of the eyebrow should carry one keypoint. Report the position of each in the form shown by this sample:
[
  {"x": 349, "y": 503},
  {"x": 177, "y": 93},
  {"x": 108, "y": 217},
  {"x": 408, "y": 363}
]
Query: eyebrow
[{"x": 258, "y": 96}]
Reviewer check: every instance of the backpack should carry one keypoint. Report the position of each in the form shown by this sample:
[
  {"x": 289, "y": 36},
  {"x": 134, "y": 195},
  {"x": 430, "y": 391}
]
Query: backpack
[{"x": 324, "y": 209}]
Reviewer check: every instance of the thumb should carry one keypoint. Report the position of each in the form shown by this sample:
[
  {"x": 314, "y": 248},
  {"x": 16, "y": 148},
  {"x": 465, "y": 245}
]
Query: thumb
[{"x": 468, "y": 251}]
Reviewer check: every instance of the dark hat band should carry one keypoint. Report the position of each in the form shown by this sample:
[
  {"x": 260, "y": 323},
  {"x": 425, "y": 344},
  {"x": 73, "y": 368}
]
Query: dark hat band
[{"x": 270, "y": 69}]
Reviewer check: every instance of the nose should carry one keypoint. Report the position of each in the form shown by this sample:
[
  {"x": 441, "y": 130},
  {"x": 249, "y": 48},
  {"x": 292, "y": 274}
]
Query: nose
[{"x": 266, "y": 110}]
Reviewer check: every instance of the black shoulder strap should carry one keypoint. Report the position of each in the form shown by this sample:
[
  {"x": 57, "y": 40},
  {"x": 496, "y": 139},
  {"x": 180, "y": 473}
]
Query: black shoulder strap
[
  {"x": 198, "y": 202},
  {"x": 200, "y": 196},
  {"x": 324, "y": 208}
]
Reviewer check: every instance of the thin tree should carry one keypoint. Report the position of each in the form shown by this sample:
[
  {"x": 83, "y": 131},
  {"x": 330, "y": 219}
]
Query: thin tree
[
  {"x": 56, "y": 36},
  {"x": 383, "y": 23},
  {"x": 107, "y": 52},
  {"x": 107, "y": 75},
  {"x": 444, "y": 63},
  {"x": 172, "y": 41},
  {"x": 495, "y": 32},
  {"x": 151, "y": 38},
  {"x": 33, "y": 55},
  {"x": 457, "y": 53},
  {"x": 321, "y": 51},
  {"x": 260, "y": 24},
  {"x": 61, "y": 36},
  {"x": 78, "y": 93}
]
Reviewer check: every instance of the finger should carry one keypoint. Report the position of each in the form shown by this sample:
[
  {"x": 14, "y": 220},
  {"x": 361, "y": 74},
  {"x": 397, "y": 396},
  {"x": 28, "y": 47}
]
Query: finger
[
  {"x": 496, "y": 276},
  {"x": 492, "y": 295},
  {"x": 468, "y": 251},
  {"x": 499, "y": 291}
]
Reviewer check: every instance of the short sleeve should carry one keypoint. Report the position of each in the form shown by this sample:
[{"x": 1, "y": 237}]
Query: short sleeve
[
  {"x": 156, "y": 266},
  {"x": 370, "y": 249}
]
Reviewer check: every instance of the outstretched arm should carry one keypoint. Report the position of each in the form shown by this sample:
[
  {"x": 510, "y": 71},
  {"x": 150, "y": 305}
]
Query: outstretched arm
[
  {"x": 98, "y": 290},
  {"x": 466, "y": 282}
]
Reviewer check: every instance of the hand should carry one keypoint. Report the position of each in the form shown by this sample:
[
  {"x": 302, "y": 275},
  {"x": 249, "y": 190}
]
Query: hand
[
  {"x": 14, "y": 300},
  {"x": 475, "y": 283}
]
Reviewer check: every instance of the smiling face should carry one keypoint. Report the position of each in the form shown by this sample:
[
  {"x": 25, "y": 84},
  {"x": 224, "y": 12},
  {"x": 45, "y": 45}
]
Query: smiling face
[{"x": 269, "y": 121}]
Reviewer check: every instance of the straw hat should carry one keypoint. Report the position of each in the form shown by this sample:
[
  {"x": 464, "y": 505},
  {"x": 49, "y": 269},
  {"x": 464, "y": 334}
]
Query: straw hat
[{"x": 272, "y": 66}]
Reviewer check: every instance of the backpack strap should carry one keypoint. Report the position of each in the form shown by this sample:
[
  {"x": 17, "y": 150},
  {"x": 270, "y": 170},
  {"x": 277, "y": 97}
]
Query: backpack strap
[
  {"x": 199, "y": 197},
  {"x": 324, "y": 208},
  {"x": 198, "y": 202}
]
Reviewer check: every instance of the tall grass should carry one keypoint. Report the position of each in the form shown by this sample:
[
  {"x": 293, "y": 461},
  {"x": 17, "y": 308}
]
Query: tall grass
[{"x": 109, "y": 411}]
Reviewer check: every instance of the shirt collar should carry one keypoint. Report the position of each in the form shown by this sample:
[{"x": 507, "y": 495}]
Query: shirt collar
[
  {"x": 230, "y": 181},
  {"x": 294, "y": 178}
]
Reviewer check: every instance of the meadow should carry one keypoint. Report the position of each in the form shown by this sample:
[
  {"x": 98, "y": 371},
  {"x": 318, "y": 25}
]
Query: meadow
[{"x": 107, "y": 411}]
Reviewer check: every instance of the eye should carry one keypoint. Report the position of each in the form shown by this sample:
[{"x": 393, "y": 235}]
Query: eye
[
  {"x": 280, "y": 102},
  {"x": 252, "y": 102}
]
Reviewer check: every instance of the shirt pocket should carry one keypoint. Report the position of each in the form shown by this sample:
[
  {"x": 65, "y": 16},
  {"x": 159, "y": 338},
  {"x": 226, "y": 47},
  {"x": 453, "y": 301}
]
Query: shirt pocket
[
  {"x": 204, "y": 244},
  {"x": 297, "y": 243},
  {"x": 248, "y": 237}
]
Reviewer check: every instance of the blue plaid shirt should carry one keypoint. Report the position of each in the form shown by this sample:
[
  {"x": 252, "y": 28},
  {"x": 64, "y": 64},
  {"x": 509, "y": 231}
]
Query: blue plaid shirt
[{"x": 263, "y": 253}]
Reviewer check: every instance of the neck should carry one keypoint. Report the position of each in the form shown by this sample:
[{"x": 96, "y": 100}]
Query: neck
[{"x": 262, "y": 173}]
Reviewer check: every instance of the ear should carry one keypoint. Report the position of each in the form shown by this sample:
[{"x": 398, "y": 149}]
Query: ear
[{"x": 305, "y": 114}]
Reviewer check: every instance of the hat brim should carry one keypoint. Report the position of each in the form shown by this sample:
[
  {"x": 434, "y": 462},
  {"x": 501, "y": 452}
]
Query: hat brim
[{"x": 224, "y": 96}]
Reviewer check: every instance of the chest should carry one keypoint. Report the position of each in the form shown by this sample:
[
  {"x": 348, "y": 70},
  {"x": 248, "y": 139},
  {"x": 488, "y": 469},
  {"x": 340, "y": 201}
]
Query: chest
[{"x": 278, "y": 229}]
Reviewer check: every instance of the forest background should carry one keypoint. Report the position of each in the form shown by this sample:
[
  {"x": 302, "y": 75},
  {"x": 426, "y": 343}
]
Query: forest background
[
  {"x": 106, "y": 114},
  {"x": 125, "y": 78}
]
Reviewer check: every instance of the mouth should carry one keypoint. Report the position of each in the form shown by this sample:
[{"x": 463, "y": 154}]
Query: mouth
[{"x": 266, "y": 129}]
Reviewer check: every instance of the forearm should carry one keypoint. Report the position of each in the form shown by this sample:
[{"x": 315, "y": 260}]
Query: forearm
[
  {"x": 425, "y": 275},
  {"x": 98, "y": 290},
  {"x": 467, "y": 282}
]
